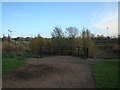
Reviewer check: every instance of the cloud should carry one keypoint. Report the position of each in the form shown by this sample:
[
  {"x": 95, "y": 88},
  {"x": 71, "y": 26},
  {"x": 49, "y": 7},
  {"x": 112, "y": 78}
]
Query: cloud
[
  {"x": 109, "y": 19},
  {"x": 112, "y": 28},
  {"x": 111, "y": 22}
]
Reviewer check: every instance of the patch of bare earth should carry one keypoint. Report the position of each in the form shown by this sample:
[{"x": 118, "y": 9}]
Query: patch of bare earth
[{"x": 52, "y": 72}]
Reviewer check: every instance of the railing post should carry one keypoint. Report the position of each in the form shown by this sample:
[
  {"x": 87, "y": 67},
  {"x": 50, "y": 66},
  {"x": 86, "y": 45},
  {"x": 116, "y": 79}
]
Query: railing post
[
  {"x": 40, "y": 52},
  {"x": 78, "y": 50},
  {"x": 70, "y": 51},
  {"x": 84, "y": 52},
  {"x": 87, "y": 52},
  {"x": 62, "y": 50}
]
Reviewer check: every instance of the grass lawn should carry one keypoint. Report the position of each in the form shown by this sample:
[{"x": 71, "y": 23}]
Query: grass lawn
[
  {"x": 10, "y": 62},
  {"x": 106, "y": 73}
]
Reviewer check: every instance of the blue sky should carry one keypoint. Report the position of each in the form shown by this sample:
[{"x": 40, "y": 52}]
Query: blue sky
[{"x": 32, "y": 18}]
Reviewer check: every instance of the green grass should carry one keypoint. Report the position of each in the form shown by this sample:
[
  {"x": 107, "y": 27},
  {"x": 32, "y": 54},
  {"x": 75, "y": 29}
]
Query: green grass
[
  {"x": 106, "y": 73},
  {"x": 11, "y": 62}
]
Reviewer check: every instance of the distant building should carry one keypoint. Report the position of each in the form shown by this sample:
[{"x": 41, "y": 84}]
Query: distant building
[
  {"x": 20, "y": 39},
  {"x": 6, "y": 39},
  {"x": 28, "y": 38}
]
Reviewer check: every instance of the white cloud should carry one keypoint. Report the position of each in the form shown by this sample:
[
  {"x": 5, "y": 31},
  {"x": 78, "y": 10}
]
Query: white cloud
[{"x": 109, "y": 21}]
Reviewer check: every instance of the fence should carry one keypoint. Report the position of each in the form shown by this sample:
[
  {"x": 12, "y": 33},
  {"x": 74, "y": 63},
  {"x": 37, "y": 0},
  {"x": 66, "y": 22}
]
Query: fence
[{"x": 72, "y": 51}]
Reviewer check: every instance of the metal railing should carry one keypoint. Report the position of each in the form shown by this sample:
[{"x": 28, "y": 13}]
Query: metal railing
[{"x": 72, "y": 51}]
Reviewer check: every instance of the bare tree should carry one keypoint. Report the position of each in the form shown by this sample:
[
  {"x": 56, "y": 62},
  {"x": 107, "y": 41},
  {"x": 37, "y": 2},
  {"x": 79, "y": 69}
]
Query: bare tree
[
  {"x": 72, "y": 31},
  {"x": 57, "y": 37},
  {"x": 57, "y": 33}
]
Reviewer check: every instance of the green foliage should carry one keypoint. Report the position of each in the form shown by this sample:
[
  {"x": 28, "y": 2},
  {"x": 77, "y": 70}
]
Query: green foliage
[
  {"x": 14, "y": 48},
  {"x": 106, "y": 73},
  {"x": 86, "y": 37},
  {"x": 70, "y": 38},
  {"x": 38, "y": 43},
  {"x": 66, "y": 40},
  {"x": 115, "y": 47},
  {"x": 58, "y": 37},
  {"x": 87, "y": 41}
]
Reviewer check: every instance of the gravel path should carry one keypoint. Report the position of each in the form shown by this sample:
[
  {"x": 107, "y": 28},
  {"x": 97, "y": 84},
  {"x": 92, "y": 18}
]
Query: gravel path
[{"x": 52, "y": 72}]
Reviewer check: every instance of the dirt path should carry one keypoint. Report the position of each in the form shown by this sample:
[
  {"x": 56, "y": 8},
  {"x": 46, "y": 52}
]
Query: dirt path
[{"x": 52, "y": 72}]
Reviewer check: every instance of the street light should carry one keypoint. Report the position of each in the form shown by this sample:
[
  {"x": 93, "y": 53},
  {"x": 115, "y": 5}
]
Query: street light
[
  {"x": 107, "y": 38},
  {"x": 107, "y": 31},
  {"x": 10, "y": 37},
  {"x": 10, "y": 32}
]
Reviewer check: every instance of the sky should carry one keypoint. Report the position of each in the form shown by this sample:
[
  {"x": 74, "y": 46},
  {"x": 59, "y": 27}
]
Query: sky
[{"x": 32, "y": 18}]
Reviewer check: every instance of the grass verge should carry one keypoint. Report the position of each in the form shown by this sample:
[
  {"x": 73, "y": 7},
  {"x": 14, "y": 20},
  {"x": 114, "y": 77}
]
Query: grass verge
[
  {"x": 11, "y": 62},
  {"x": 106, "y": 73}
]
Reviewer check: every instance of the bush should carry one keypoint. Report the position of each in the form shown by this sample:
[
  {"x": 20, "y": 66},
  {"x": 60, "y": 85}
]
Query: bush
[{"x": 14, "y": 48}]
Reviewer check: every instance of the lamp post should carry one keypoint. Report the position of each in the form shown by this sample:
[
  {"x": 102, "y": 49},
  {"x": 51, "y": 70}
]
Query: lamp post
[
  {"x": 107, "y": 34},
  {"x": 10, "y": 37},
  {"x": 10, "y": 32},
  {"x": 107, "y": 38}
]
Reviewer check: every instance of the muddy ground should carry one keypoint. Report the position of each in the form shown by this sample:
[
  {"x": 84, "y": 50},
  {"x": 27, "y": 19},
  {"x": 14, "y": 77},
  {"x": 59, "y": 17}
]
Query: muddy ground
[{"x": 52, "y": 72}]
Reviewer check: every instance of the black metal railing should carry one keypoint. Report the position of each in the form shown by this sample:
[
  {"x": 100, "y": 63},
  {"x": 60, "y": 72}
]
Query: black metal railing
[{"x": 72, "y": 51}]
